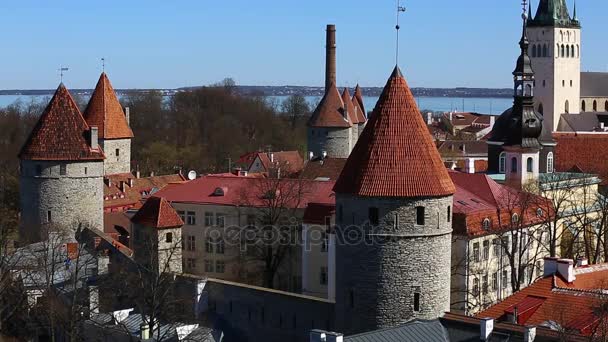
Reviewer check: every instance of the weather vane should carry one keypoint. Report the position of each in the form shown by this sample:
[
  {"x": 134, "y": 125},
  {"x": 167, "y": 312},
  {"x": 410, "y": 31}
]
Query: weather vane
[
  {"x": 103, "y": 64},
  {"x": 400, "y": 9},
  {"x": 61, "y": 70},
  {"x": 524, "y": 6}
]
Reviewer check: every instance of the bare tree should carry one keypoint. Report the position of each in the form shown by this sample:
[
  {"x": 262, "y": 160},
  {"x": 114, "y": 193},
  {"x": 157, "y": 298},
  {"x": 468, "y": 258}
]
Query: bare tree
[{"x": 295, "y": 108}]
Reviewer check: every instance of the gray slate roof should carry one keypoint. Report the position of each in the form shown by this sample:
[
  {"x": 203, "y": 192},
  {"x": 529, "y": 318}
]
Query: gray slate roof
[
  {"x": 415, "y": 331},
  {"x": 594, "y": 84}
]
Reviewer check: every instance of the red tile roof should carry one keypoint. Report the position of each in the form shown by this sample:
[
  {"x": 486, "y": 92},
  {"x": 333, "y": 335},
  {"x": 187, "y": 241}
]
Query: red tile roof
[
  {"x": 358, "y": 102},
  {"x": 350, "y": 107},
  {"x": 105, "y": 112},
  {"x": 289, "y": 160},
  {"x": 317, "y": 213},
  {"x": 587, "y": 152},
  {"x": 248, "y": 191},
  {"x": 330, "y": 111},
  {"x": 478, "y": 197},
  {"x": 572, "y": 306},
  {"x": 122, "y": 198},
  {"x": 61, "y": 133},
  {"x": 395, "y": 155},
  {"x": 157, "y": 213},
  {"x": 329, "y": 168}
]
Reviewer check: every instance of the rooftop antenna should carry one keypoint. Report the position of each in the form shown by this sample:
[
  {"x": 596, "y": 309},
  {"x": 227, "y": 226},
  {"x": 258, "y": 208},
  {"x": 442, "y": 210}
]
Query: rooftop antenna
[
  {"x": 397, "y": 28},
  {"x": 103, "y": 64},
  {"x": 61, "y": 70}
]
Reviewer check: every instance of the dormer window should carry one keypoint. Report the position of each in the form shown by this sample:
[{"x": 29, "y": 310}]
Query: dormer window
[
  {"x": 218, "y": 192},
  {"x": 486, "y": 224}
]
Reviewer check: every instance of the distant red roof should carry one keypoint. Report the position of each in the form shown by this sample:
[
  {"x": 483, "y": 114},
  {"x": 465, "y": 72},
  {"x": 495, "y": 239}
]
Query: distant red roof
[
  {"x": 105, "y": 112},
  {"x": 329, "y": 168},
  {"x": 350, "y": 107},
  {"x": 551, "y": 299},
  {"x": 359, "y": 105},
  {"x": 291, "y": 160},
  {"x": 129, "y": 195},
  {"x": 157, "y": 213},
  {"x": 61, "y": 133},
  {"x": 248, "y": 191},
  {"x": 330, "y": 112},
  {"x": 584, "y": 152},
  {"x": 395, "y": 155}
]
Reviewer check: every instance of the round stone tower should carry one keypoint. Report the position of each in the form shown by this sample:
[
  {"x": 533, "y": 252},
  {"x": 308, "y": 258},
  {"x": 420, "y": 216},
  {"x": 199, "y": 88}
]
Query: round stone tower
[
  {"x": 394, "y": 208},
  {"x": 61, "y": 184}
]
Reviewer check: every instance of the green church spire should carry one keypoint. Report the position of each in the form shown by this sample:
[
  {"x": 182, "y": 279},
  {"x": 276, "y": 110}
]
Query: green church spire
[{"x": 553, "y": 13}]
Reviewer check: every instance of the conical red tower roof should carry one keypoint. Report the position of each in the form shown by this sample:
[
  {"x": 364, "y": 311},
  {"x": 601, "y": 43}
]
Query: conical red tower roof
[
  {"x": 157, "y": 213},
  {"x": 395, "y": 155},
  {"x": 330, "y": 111},
  {"x": 358, "y": 102},
  {"x": 61, "y": 133},
  {"x": 350, "y": 107},
  {"x": 105, "y": 112}
]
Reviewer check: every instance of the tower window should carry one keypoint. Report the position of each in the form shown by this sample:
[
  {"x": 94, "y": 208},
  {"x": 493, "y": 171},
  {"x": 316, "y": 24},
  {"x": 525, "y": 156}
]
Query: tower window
[
  {"x": 533, "y": 50},
  {"x": 502, "y": 162},
  {"x": 420, "y": 216},
  {"x": 449, "y": 213},
  {"x": 550, "y": 162},
  {"x": 86, "y": 170},
  {"x": 514, "y": 165},
  {"x": 567, "y": 107},
  {"x": 530, "y": 164},
  {"x": 595, "y": 105},
  {"x": 544, "y": 83},
  {"x": 416, "y": 302},
  {"x": 374, "y": 216},
  {"x": 563, "y": 83},
  {"x": 169, "y": 237},
  {"x": 583, "y": 106},
  {"x": 571, "y": 83},
  {"x": 117, "y": 154},
  {"x": 49, "y": 218},
  {"x": 563, "y": 52},
  {"x": 545, "y": 51},
  {"x": 62, "y": 170}
]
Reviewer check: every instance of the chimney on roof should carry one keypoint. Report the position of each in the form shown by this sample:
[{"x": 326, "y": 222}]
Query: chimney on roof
[
  {"x": 330, "y": 57},
  {"x": 486, "y": 326},
  {"x": 108, "y": 181},
  {"x": 94, "y": 137},
  {"x": 451, "y": 116},
  {"x": 145, "y": 331},
  {"x": 492, "y": 121},
  {"x": 271, "y": 157},
  {"x": 429, "y": 118},
  {"x": 131, "y": 182},
  {"x": 582, "y": 262},
  {"x": 602, "y": 126},
  {"x": 123, "y": 186},
  {"x": 318, "y": 336},
  {"x": 565, "y": 268},
  {"x": 529, "y": 334},
  {"x": 469, "y": 165},
  {"x": 128, "y": 115},
  {"x": 334, "y": 337},
  {"x": 550, "y": 266},
  {"x": 152, "y": 174}
]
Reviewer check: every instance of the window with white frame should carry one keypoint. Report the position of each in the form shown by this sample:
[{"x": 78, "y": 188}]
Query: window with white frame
[
  {"x": 190, "y": 242},
  {"x": 220, "y": 220},
  {"x": 208, "y": 219},
  {"x": 494, "y": 281},
  {"x": 486, "y": 249},
  {"x": 475, "y": 287},
  {"x": 496, "y": 244},
  {"x": 182, "y": 215},
  {"x": 484, "y": 284},
  {"x": 190, "y": 263},
  {"x": 502, "y": 162},
  {"x": 476, "y": 251},
  {"x": 550, "y": 162},
  {"x": 505, "y": 279},
  {"x": 191, "y": 218},
  {"x": 209, "y": 245}
]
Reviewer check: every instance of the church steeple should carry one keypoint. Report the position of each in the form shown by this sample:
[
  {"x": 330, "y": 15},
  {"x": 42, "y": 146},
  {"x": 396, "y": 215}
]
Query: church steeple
[{"x": 553, "y": 13}]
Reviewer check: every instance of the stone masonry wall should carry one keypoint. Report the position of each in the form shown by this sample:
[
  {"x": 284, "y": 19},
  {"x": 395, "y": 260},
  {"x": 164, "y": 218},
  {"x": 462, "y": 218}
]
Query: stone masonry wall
[
  {"x": 250, "y": 313},
  {"x": 377, "y": 278},
  {"x": 76, "y": 197},
  {"x": 337, "y": 142},
  {"x": 114, "y": 164}
]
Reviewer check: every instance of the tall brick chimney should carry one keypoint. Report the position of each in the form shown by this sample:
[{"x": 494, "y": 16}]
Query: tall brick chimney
[{"x": 330, "y": 57}]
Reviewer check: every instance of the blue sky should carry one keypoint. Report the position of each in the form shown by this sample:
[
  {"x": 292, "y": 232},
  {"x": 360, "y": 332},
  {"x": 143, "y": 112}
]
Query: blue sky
[{"x": 174, "y": 43}]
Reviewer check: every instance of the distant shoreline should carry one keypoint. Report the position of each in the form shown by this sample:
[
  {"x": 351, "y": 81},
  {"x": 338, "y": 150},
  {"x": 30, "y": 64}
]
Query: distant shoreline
[{"x": 292, "y": 90}]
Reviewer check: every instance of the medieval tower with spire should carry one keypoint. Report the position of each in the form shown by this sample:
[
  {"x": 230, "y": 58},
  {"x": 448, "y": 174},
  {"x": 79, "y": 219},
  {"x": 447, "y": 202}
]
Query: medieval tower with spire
[
  {"x": 555, "y": 51},
  {"x": 393, "y": 218},
  {"x": 105, "y": 112},
  {"x": 61, "y": 186},
  {"x": 333, "y": 128}
]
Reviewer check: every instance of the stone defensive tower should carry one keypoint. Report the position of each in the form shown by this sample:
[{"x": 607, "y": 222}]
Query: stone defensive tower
[
  {"x": 359, "y": 108},
  {"x": 105, "y": 112},
  {"x": 330, "y": 128},
  {"x": 61, "y": 182},
  {"x": 394, "y": 208},
  {"x": 555, "y": 50}
]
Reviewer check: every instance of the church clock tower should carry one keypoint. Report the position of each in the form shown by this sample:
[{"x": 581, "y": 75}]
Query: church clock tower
[{"x": 555, "y": 51}]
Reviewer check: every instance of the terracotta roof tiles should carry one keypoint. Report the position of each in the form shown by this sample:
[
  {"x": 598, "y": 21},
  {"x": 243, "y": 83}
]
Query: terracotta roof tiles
[
  {"x": 105, "y": 112},
  {"x": 157, "y": 213},
  {"x": 330, "y": 111},
  {"x": 358, "y": 102},
  {"x": 349, "y": 106},
  {"x": 61, "y": 133},
  {"x": 395, "y": 155},
  {"x": 587, "y": 152}
]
